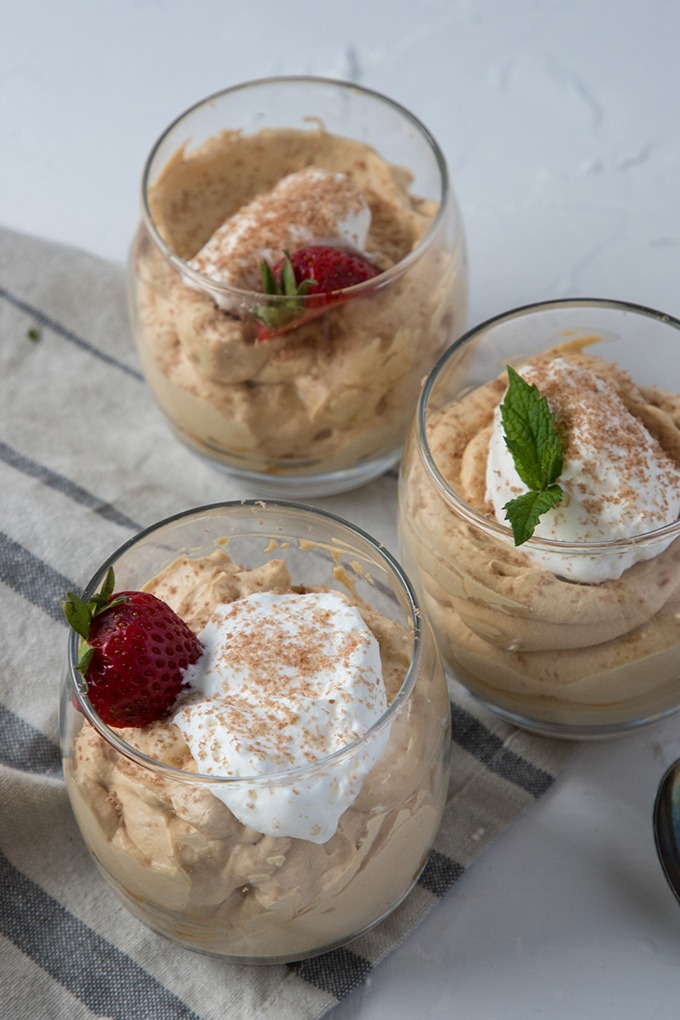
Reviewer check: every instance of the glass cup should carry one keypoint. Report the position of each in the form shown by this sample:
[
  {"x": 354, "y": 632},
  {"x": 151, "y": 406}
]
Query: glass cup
[
  {"x": 324, "y": 406},
  {"x": 162, "y": 834},
  {"x": 534, "y": 632}
]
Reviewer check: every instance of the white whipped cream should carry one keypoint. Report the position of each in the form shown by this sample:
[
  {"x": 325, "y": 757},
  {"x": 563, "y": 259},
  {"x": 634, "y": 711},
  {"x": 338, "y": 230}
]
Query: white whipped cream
[
  {"x": 312, "y": 206},
  {"x": 617, "y": 480},
  {"x": 285, "y": 681}
]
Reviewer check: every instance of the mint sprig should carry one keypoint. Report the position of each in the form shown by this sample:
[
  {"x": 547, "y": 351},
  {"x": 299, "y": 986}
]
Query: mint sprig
[{"x": 532, "y": 438}]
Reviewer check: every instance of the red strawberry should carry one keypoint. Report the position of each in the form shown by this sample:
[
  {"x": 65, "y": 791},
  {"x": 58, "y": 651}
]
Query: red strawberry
[
  {"x": 312, "y": 278},
  {"x": 133, "y": 653}
]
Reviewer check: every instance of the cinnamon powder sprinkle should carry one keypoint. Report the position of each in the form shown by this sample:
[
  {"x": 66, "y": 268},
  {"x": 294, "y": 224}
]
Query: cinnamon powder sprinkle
[
  {"x": 309, "y": 206},
  {"x": 286, "y": 688},
  {"x": 591, "y": 416}
]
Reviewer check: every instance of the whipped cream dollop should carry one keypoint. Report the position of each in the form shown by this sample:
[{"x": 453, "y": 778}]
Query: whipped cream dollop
[
  {"x": 285, "y": 681},
  {"x": 312, "y": 206},
  {"x": 617, "y": 480}
]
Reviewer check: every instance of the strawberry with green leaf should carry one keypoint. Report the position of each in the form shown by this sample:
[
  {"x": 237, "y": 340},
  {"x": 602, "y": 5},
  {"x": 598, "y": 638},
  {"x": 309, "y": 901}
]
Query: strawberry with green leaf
[
  {"x": 133, "y": 653},
  {"x": 305, "y": 282}
]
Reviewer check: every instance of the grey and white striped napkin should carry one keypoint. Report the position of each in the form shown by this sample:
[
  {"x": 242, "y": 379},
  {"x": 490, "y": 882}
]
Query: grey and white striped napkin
[{"x": 85, "y": 461}]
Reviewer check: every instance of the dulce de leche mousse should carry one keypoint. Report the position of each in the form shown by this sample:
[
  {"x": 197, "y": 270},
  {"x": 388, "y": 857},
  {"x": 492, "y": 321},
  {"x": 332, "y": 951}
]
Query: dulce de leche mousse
[
  {"x": 330, "y": 385},
  {"x": 582, "y": 636},
  {"x": 288, "y": 857}
]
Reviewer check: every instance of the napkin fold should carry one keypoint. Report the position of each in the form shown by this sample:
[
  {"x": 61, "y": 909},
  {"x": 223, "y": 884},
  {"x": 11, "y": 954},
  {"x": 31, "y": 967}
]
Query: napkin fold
[{"x": 86, "y": 461}]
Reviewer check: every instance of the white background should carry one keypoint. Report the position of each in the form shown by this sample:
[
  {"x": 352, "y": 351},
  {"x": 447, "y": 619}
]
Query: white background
[{"x": 560, "y": 122}]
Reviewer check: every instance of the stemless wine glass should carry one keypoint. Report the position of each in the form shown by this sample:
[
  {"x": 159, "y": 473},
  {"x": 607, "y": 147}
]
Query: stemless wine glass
[
  {"x": 162, "y": 834},
  {"x": 324, "y": 405},
  {"x": 520, "y": 628}
]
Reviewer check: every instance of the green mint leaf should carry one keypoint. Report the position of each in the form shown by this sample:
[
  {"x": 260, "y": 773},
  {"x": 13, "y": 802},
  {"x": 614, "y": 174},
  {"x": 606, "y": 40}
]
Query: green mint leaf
[
  {"x": 532, "y": 438},
  {"x": 530, "y": 433},
  {"x": 523, "y": 512}
]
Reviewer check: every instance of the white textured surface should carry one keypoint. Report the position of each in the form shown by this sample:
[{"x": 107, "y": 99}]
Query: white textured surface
[{"x": 559, "y": 121}]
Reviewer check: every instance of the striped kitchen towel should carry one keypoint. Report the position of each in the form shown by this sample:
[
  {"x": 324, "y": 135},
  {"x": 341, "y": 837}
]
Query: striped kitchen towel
[{"x": 85, "y": 461}]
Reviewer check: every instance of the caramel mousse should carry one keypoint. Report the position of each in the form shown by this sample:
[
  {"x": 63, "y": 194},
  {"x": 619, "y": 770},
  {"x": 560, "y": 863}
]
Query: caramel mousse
[
  {"x": 338, "y": 389},
  {"x": 272, "y": 869},
  {"x": 583, "y": 635}
]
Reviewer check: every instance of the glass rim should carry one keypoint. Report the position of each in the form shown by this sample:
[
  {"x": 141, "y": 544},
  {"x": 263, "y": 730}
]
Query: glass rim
[
  {"x": 466, "y": 510},
  {"x": 415, "y": 626},
  {"x": 205, "y": 282}
]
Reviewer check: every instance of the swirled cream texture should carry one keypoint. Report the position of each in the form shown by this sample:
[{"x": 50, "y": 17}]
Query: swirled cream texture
[
  {"x": 204, "y": 868},
  {"x": 517, "y": 625},
  {"x": 617, "y": 480},
  {"x": 285, "y": 681},
  {"x": 335, "y": 391}
]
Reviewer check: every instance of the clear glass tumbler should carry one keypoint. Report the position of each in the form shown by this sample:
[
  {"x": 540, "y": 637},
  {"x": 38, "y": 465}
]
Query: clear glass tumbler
[
  {"x": 161, "y": 833},
  {"x": 324, "y": 406},
  {"x": 530, "y": 630}
]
